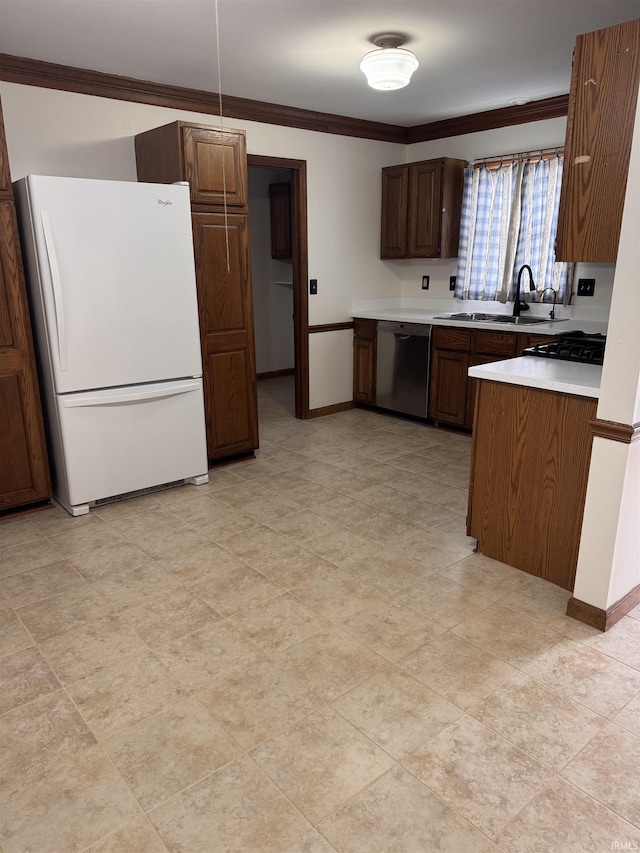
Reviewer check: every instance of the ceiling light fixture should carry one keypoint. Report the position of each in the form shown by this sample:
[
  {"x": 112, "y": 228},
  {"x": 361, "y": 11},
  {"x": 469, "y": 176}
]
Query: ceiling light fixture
[{"x": 390, "y": 66}]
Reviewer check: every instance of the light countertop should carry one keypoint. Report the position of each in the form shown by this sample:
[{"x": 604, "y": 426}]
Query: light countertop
[
  {"x": 549, "y": 374},
  {"x": 433, "y": 317}
]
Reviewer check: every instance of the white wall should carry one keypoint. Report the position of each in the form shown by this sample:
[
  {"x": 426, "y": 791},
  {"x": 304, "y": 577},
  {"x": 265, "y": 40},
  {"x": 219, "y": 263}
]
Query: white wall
[
  {"x": 63, "y": 133},
  {"x": 272, "y": 296}
]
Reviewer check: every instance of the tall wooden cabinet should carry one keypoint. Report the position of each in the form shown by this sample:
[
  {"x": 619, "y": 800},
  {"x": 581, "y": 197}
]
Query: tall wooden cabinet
[
  {"x": 421, "y": 206},
  {"x": 24, "y": 470},
  {"x": 602, "y": 106},
  {"x": 215, "y": 165}
]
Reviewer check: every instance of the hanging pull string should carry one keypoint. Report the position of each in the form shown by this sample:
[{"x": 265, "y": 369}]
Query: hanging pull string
[{"x": 224, "y": 175}]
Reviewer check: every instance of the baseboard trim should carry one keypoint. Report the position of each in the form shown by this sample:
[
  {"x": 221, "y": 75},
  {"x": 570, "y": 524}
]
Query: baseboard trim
[
  {"x": 603, "y": 619},
  {"x": 275, "y": 374},
  {"x": 331, "y": 410}
]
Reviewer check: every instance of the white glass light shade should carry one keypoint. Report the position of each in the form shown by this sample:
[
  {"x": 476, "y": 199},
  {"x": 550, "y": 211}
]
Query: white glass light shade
[{"x": 388, "y": 68}]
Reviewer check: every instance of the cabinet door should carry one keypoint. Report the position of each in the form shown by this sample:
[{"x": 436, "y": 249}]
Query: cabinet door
[
  {"x": 24, "y": 472},
  {"x": 364, "y": 362},
  {"x": 425, "y": 207},
  {"x": 5, "y": 175},
  {"x": 395, "y": 200},
  {"x": 602, "y": 104},
  {"x": 215, "y": 166},
  {"x": 280, "y": 203},
  {"x": 449, "y": 386},
  {"x": 226, "y": 328}
]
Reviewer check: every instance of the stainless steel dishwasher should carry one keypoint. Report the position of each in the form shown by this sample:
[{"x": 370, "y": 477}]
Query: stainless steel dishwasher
[{"x": 402, "y": 369}]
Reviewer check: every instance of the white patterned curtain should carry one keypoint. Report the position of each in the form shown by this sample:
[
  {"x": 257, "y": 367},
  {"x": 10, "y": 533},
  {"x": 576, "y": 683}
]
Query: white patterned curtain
[{"x": 510, "y": 218}]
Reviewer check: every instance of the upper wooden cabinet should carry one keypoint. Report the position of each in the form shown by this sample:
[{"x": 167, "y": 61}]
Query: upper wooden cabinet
[
  {"x": 280, "y": 203},
  {"x": 421, "y": 205},
  {"x": 214, "y": 162},
  {"x": 602, "y": 107}
]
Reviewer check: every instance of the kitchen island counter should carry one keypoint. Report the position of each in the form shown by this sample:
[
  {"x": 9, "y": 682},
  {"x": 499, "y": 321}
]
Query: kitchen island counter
[{"x": 548, "y": 374}]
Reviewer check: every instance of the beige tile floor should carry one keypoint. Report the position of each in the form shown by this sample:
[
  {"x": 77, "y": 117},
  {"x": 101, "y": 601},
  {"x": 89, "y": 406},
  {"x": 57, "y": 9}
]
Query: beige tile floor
[{"x": 305, "y": 655}]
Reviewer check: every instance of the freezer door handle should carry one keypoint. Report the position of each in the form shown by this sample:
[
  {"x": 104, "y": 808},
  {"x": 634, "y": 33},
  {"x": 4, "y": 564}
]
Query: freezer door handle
[
  {"x": 133, "y": 397},
  {"x": 57, "y": 289}
]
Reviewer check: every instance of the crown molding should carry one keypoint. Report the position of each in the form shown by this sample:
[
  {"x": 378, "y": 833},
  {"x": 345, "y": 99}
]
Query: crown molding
[
  {"x": 490, "y": 119},
  {"x": 49, "y": 75}
]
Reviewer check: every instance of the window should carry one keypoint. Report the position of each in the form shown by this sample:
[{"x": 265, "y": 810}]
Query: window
[{"x": 510, "y": 218}]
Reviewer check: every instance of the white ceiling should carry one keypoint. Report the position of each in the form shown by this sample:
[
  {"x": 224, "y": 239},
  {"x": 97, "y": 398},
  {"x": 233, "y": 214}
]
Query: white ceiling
[{"x": 474, "y": 55}]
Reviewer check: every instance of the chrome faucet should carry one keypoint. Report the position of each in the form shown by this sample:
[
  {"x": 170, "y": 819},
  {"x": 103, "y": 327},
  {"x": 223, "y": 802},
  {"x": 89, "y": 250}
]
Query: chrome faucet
[{"x": 519, "y": 306}]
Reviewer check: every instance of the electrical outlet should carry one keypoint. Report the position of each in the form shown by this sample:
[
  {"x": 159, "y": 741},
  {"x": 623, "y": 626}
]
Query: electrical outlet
[
  {"x": 425, "y": 282},
  {"x": 313, "y": 286},
  {"x": 586, "y": 286},
  {"x": 452, "y": 282}
]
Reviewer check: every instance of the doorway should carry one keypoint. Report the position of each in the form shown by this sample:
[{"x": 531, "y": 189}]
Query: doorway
[{"x": 293, "y": 172}]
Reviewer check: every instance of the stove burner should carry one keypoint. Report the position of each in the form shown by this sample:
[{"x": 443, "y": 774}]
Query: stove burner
[{"x": 572, "y": 346}]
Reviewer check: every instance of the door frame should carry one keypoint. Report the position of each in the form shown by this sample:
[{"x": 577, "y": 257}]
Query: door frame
[{"x": 299, "y": 256}]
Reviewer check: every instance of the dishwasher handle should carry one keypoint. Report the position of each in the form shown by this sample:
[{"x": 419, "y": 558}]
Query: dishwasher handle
[{"x": 397, "y": 328}]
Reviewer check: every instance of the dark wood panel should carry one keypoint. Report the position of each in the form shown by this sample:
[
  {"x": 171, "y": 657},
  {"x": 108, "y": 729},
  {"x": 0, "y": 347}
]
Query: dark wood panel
[
  {"x": 5, "y": 174},
  {"x": 364, "y": 371},
  {"x": 280, "y": 210},
  {"x": 602, "y": 106},
  {"x": 159, "y": 156},
  {"x": 452, "y": 192},
  {"x": 228, "y": 383},
  {"x": 449, "y": 386},
  {"x": 15, "y": 469},
  {"x": 24, "y": 470},
  {"x": 365, "y": 328},
  {"x": 216, "y": 166},
  {"x": 530, "y": 464},
  {"x": 395, "y": 201},
  {"x": 493, "y": 343},
  {"x": 425, "y": 206},
  {"x": 226, "y": 330},
  {"x": 223, "y": 300},
  {"x": 446, "y": 337}
]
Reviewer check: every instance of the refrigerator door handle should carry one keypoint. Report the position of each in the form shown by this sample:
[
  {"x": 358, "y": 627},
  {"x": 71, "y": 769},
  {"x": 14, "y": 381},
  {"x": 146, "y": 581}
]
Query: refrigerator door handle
[
  {"x": 134, "y": 397},
  {"x": 57, "y": 289}
]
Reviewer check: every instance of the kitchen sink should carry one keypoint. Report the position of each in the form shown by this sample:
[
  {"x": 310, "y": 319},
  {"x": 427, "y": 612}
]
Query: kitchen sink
[{"x": 507, "y": 319}]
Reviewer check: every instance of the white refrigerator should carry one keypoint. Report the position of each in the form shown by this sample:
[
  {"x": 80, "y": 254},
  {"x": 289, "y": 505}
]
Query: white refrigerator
[{"x": 111, "y": 281}]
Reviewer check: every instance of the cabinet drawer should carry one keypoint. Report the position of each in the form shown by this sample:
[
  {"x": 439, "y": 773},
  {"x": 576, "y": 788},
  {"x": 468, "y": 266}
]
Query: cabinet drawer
[
  {"x": 445, "y": 337},
  {"x": 494, "y": 343},
  {"x": 365, "y": 329}
]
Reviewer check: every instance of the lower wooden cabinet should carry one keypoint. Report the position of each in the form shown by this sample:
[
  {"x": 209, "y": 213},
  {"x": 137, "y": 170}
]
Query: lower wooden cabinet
[
  {"x": 364, "y": 361},
  {"x": 529, "y": 470},
  {"x": 24, "y": 470},
  {"x": 226, "y": 330},
  {"x": 455, "y": 350}
]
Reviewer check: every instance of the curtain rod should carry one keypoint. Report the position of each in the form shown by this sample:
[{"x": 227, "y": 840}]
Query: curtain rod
[{"x": 498, "y": 160}]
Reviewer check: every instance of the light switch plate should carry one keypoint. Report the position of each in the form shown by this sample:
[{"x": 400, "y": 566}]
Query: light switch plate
[
  {"x": 425, "y": 282},
  {"x": 313, "y": 286},
  {"x": 452, "y": 282}
]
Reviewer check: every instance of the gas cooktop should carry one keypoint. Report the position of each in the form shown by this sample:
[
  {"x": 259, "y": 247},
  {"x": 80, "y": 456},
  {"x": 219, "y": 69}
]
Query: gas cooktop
[{"x": 572, "y": 346}]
